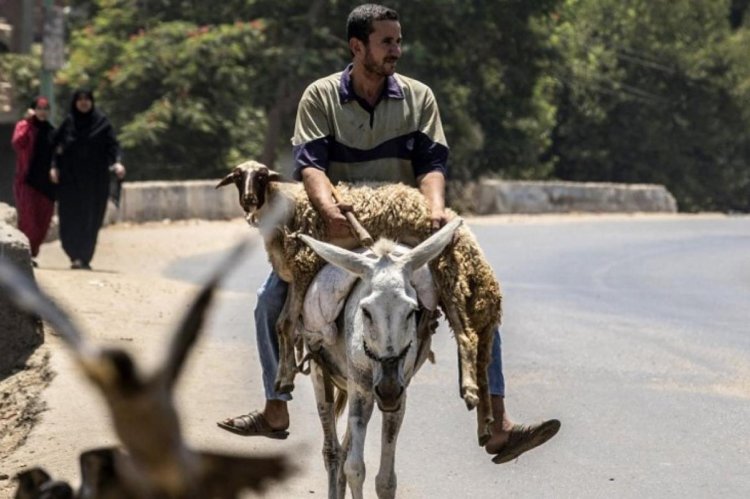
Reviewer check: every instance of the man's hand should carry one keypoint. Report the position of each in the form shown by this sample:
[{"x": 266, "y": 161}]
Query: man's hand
[
  {"x": 438, "y": 218},
  {"x": 336, "y": 224},
  {"x": 432, "y": 186},
  {"x": 319, "y": 191},
  {"x": 54, "y": 175}
]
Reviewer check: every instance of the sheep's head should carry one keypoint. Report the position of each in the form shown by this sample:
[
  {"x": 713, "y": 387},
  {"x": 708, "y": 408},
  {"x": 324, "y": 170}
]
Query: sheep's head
[{"x": 251, "y": 179}]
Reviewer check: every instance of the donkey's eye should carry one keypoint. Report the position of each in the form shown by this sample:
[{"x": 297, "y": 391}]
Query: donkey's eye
[
  {"x": 411, "y": 315},
  {"x": 367, "y": 314}
]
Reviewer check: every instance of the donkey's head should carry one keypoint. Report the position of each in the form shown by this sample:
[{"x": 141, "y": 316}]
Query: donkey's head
[
  {"x": 251, "y": 179},
  {"x": 386, "y": 314}
]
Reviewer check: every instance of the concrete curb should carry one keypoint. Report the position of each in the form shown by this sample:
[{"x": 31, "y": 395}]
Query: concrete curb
[{"x": 491, "y": 197}]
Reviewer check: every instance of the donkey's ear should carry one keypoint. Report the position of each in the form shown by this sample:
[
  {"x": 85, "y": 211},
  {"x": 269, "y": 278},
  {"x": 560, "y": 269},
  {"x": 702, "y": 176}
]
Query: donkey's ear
[
  {"x": 231, "y": 178},
  {"x": 432, "y": 246},
  {"x": 354, "y": 263}
]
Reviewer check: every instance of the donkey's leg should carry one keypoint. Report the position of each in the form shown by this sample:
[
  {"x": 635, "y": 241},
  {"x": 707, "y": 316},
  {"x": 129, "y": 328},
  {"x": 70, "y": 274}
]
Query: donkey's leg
[
  {"x": 360, "y": 410},
  {"x": 385, "y": 482},
  {"x": 332, "y": 456}
]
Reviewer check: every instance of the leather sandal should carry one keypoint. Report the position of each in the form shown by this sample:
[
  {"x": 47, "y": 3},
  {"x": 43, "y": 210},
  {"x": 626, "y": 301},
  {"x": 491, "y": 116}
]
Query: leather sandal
[
  {"x": 523, "y": 438},
  {"x": 253, "y": 424}
]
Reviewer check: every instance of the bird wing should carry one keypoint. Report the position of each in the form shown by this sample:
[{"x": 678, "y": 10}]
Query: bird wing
[
  {"x": 190, "y": 327},
  {"x": 224, "y": 476},
  {"x": 23, "y": 292}
]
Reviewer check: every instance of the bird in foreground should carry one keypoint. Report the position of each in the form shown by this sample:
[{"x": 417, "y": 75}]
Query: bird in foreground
[{"x": 155, "y": 461}]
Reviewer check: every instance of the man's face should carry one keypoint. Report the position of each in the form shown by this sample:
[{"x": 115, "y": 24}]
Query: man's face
[{"x": 383, "y": 49}]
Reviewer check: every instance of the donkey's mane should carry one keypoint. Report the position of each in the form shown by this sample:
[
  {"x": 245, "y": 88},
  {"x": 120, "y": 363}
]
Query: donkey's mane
[{"x": 383, "y": 247}]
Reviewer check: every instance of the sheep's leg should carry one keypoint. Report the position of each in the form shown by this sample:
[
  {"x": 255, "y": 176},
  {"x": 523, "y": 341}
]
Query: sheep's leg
[
  {"x": 285, "y": 329},
  {"x": 385, "y": 482},
  {"x": 467, "y": 355},
  {"x": 484, "y": 409},
  {"x": 332, "y": 455},
  {"x": 360, "y": 410}
]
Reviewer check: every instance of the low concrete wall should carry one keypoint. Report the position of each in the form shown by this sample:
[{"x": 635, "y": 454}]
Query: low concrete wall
[
  {"x": 180, "y": 200},
  {"x": 148, "y": 201},
  {"x": 175, "y": 200},
  {"x": 499, "y": 196}
]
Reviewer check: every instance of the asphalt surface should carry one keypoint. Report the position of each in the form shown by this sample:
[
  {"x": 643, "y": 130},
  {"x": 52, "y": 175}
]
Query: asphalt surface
[{"x": 633, "y": 331}]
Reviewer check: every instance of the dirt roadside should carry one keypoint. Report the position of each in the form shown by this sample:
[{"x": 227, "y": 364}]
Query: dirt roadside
[{"x": 127, "y": 302}]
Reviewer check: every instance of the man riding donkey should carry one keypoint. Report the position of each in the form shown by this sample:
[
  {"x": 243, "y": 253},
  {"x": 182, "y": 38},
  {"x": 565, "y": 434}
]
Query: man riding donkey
[{"x": 345, "y": 131}]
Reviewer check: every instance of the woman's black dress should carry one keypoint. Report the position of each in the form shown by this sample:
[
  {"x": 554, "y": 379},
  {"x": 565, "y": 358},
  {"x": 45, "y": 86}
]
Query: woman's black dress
[{"x": 89, "y": 148}]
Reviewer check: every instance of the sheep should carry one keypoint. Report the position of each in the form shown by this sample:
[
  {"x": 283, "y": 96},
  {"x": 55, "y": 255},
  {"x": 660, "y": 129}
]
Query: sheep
[{"x": 469, "y": 292}]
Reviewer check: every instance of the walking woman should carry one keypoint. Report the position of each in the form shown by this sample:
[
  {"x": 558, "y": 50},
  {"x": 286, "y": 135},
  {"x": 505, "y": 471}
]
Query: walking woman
[
  {"x": 86, "y": 151},
  {"x": 34, "y": 193}
]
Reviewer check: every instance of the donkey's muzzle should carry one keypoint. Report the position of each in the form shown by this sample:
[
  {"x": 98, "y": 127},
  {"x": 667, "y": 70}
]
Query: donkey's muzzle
[{"x": 388, "y": 395}]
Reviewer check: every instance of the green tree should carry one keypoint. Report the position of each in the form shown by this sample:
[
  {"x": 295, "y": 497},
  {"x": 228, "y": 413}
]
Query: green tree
[
  {"x": 646, "y": 94},
  {"x": 167, "y": 89}
]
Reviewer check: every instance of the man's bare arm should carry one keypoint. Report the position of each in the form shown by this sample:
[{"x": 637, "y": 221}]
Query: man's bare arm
[
  {"x": 432, "y": 187},
  {"x": 318, "y": 189}
]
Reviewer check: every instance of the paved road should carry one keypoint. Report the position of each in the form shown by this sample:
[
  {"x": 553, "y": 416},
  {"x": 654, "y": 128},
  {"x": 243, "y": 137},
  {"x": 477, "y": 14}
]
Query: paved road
[
  {"x": 634, "y": 332},
  {"x": 631, "y": 330}
]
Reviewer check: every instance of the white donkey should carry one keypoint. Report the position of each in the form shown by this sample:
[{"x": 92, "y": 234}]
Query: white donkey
[{"x": 381, "y": 348}]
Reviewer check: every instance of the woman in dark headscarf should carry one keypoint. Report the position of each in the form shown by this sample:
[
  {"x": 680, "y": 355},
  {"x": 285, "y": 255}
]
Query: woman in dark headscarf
[
  {"x": 87, "y": 150},
  {"x": 34, "y": 193}
]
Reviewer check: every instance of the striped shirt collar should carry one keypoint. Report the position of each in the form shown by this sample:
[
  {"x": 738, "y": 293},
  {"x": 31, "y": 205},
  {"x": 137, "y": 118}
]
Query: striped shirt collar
[{"x": 392, "y": 89}]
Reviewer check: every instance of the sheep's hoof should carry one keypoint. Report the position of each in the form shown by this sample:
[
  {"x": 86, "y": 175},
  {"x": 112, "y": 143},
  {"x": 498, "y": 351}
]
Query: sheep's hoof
[
  {"x": 484, "y": 434},
  {"x": 484, "y": 438},
  {"x": 284, "y": 387},
  {"x": 471, "y": 399}
]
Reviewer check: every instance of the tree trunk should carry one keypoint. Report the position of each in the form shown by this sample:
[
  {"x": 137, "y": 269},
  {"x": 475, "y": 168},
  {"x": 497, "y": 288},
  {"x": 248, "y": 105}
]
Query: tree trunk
[{"x": 288, "y": 93}]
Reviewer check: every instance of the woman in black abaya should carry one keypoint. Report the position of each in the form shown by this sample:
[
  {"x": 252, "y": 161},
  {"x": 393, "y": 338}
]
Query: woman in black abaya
[{"x": 87, "y": 150}]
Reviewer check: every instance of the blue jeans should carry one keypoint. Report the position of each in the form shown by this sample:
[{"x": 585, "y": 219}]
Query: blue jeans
[{"x": 271, "y": 297}]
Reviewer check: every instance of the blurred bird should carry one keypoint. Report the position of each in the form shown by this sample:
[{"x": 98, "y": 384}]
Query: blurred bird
[
  {"x": 35, "y": 483},
  {"x": 158, "y": 463}
]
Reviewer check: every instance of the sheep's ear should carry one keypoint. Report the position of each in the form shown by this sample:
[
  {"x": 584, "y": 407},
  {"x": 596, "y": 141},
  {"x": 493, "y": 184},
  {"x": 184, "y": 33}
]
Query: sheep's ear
[
  {"x": 432, "y": 246},
  {"x": 354, "y": 263},
  {"x": 274, "y": 176},
  {"x": 231, "y": 178}
]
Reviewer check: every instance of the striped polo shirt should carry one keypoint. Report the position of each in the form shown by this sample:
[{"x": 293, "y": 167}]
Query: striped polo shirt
[{"x": 398, "y": 140}]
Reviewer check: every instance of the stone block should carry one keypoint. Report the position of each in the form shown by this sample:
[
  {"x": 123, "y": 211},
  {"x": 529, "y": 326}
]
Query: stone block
[{"x": 20, "y": 334}]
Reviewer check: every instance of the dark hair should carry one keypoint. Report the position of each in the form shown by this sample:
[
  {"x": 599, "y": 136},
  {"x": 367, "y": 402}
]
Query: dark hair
[
  {"x": 359, "y": 22},
  {"x": 39, "y": 101}
]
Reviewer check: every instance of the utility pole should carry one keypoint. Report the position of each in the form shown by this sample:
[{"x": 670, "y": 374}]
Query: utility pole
[{"x": 53, "y": 49}]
